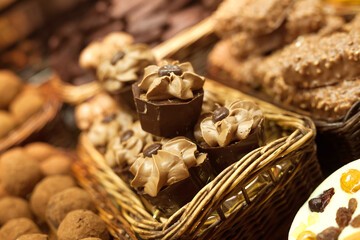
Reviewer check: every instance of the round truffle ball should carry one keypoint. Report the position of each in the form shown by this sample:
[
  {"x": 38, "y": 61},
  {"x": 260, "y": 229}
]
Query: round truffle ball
[
  {"x": 7, "y": 123},
  {"x": 13, "y": 207},
  {"x": 19, "y": 172},
  {"x": 17, "y": 227},
  {"x": 26, "y": 104},
  {"x": 66, "y": 201},
  {"x": 40, "y": 150},
  {"x": 80, "y": 224},
  {"x": 56, "y": 164},
  {"x": 10, "y": 86},
  {"x": 47, "y": 188},
  {"x": 34, "y": 236}
]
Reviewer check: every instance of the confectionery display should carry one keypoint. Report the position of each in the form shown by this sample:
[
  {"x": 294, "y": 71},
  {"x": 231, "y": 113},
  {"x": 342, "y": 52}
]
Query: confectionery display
[
  {"x": 331, "y": 212},
  {"x": 159, "y": 154},
  {"x": 302, "y": 56},
  {"x": 38, "y": 190},
  {"x": 163, "y": 149}
]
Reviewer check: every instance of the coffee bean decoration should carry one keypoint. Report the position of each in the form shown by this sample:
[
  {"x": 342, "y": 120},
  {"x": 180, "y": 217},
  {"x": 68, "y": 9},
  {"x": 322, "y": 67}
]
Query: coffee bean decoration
[
  {"x": 167, "y": 69},
  {"x": 152, "y": 149},
  {"x": 116, "y": 57},
  {"x": 108, "y": 118},
  {"x": 126, "y": 135},
  {"x": 219, "y": 114}
]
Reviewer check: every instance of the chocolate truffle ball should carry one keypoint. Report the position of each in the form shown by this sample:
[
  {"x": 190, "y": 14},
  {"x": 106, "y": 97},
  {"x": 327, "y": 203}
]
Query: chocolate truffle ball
[
  {"x": 48, "y": 187},
  {"x": 56, "y": 164},
  {"x": 66, "y": 201},
  {"x": 7, "y": 123},
  {"x": 34, "y": 236},
  {"x": 13, "y": 207},
  {"x": 17, "y": 227},
  {"x": 80, "y": 224},
  {"x": 10, "y": 86},
  {"x": 19, "y": 172},
  {"x": 26, "y": 104},
  {"x": 40, "y": 150}
]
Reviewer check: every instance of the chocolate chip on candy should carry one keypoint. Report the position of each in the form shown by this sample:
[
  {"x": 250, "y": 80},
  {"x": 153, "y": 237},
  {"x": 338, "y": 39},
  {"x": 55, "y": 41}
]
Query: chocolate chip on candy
[
  {"x": 109, "y": 118},
  {"x": 126, "y": 135},
  {"x": 168, "y": 69},
  {"x": 117, "y": 56},
  {"x": 318, "y": 204},
  {"x": 219, "y": 114},
  {"x": 152, "y": 149},
  {"x": 331, "y": 233},
  {"x": 343, "y": 217}
]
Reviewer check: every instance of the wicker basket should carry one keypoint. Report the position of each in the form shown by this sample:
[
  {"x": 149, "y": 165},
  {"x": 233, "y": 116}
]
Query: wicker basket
[
  {"x": 255, "y": 198},
  {"x": 74, "y": 94},
  {"x": 341, "y": 136},
  {"x": 35, "y": 123}
]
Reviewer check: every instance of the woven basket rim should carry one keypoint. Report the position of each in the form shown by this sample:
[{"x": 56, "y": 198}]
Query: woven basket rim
[{"x": 37, "y": 121}]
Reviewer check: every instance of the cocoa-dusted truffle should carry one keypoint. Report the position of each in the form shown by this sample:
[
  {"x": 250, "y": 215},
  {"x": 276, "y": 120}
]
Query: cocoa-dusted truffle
[
  {"x": 7, "y": 123},
  {"x": 19, "y": 172},
  {"x": 66, "y": 201},
  {"x": 10, "y": 86},
  {"x": 40, "y": 150},
  {"x": 13, "y": 207},
  {"x": 26, "y": 104},
  {"x": 80, "y": 224},
  {"x": 56, "y": 164},
  {"x": 33, "y": 236},
  {"x": 17, "y": 227},
  {"x": 45, "y": 190}
]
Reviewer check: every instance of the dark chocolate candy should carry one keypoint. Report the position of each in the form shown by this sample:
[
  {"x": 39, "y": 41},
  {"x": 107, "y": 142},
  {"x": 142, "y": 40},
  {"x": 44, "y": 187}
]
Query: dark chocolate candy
[
  {"x": 222, "y": 157},
  {"x": 168, "y": 118},
  {"x": 173, "y": 197}
]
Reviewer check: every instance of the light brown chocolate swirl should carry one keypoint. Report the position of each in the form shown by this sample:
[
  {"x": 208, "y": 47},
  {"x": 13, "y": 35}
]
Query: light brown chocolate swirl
[
  {"x": 124, "y": 67},
  {"x": 178, "y": 85},
  {"x": 167, "y": 166},
  {"x": 123, "y": 149},
  {"x": 241, "y": 118},
  {"x": 104, "y": 129}
]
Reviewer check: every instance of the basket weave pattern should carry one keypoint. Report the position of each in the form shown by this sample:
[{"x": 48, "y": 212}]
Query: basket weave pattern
[{"x": 250, "y": 199}]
